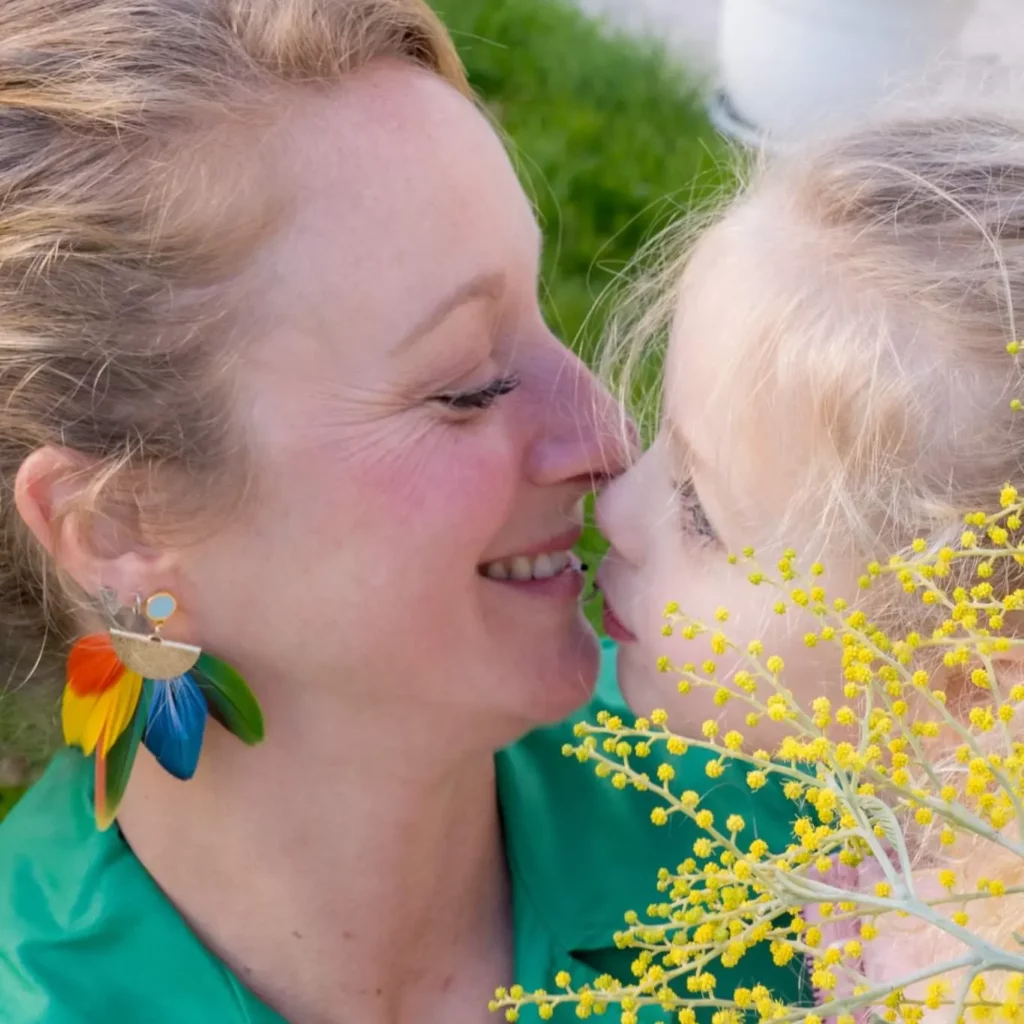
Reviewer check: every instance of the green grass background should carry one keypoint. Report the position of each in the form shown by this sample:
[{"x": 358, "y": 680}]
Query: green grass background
[
  {"x": 611, "y": 142},
  {"x": 608, "y": 133}
]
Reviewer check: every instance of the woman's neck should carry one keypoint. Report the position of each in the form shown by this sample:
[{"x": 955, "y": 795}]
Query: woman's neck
[{"x": 343, "y": 874}]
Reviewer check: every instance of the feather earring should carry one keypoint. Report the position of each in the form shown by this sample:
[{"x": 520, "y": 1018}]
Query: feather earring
[{"x": 127, "y": 687}]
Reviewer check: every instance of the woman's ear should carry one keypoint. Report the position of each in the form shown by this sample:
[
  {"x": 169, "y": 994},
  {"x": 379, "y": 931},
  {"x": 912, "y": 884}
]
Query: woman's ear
[{"x": 51, "y": 494}]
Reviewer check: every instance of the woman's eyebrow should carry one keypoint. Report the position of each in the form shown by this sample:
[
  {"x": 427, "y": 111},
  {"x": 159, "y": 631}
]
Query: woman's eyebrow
[{"x": 488, "y": 286}]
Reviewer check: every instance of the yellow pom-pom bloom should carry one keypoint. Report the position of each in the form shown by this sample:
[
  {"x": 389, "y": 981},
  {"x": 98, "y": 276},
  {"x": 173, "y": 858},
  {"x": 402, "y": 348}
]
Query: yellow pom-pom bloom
[
  {"x": 936, "y": 994},
  {"x": 733, "y": 740}
]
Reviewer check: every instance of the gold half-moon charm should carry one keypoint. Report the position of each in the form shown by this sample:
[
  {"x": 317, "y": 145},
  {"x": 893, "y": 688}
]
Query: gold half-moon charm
[{"x": 153, "y": 657}]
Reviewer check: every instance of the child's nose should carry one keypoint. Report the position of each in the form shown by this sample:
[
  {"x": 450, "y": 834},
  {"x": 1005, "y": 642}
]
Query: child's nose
[{"x": 620, "y": 514}]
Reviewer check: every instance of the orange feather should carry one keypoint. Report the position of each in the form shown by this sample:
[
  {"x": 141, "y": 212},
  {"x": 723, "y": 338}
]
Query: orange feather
[{"x": 93, "y": 666}]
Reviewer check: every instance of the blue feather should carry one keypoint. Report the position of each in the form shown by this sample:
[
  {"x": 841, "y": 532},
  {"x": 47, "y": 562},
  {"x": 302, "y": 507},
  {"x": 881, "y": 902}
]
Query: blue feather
[{"x": 176, "y": 724}]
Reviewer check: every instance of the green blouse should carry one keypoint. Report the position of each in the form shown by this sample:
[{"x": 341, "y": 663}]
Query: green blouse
[{"x": 86, "y": 936}]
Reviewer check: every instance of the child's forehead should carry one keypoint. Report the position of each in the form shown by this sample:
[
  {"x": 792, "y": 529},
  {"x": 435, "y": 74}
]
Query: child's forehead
[
  {"x": 711, "y": 329},
  {"x": 741, "y": 284},
  {"x": 722, "y": 406}
]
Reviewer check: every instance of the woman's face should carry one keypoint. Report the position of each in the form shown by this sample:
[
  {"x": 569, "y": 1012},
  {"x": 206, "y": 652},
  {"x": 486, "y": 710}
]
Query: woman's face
[
  {"x": 421, "y": 441},
  {"x": 719, "y": 477}
]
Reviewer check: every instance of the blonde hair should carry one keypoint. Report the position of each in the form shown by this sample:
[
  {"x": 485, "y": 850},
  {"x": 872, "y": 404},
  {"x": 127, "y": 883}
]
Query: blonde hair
[
  {"x": 887, "y": 279},
  {"x": 884, "y": 281},
  {"x": 119, "y": 239}
]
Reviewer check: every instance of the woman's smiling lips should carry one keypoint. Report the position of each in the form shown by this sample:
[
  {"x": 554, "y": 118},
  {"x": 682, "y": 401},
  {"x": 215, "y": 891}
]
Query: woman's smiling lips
[{"x": 546, "y": 568}]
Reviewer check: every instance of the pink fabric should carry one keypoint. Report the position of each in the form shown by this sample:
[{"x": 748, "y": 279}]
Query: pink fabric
[
  {"x": 838, "y": 933},
  {"x": 904, "y": 945}
]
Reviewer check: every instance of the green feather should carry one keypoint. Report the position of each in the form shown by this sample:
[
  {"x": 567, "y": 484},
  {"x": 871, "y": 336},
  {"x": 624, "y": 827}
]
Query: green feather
[
  {"x": 230, "y": 700},
  {"x": 121, "y": 758}
]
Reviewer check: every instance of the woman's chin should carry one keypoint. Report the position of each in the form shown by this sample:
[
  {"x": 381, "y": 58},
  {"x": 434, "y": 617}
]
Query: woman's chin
[{"x": 557, "y": 674}]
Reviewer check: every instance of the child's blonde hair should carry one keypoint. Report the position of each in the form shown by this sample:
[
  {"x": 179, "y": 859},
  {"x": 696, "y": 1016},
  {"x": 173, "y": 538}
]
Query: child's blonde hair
[
  {"x": 882, "y": 277},
  {"x": 886, "y": 280}
]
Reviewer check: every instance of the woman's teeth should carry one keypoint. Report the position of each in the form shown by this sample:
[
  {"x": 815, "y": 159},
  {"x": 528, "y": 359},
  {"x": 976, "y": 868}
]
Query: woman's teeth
[{"x": 521, "y": 567}]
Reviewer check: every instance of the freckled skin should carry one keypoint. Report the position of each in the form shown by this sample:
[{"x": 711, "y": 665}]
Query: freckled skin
[{"x": 372, "y": 506}]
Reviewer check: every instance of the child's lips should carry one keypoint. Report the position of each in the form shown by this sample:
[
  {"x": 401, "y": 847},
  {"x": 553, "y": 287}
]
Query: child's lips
[{"x": 613, "y": 625}]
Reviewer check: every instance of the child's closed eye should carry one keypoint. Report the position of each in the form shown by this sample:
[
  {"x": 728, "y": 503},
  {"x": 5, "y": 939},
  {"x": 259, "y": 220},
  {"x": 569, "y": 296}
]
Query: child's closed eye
[{"x": 693, "y": 516}]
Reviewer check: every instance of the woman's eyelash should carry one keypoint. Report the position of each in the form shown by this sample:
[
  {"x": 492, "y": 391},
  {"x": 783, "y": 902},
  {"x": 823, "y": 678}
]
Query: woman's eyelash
[
  {"x": 695, "y": 519},
  {"x": 480, "y": 398}
]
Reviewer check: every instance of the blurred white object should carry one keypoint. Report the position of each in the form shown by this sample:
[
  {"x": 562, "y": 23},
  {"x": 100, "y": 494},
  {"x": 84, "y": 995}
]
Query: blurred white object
[
  {"x": 688, "y": 28},
  {"x": 788, "y": 65}
]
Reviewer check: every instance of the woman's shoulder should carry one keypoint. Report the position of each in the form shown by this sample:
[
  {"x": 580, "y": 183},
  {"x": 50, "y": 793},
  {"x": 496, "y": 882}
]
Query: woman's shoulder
[
  {"x": 51, "y": 859},
  {"x": 57, "y": 876},
  {"x": 86, "y": 936}
]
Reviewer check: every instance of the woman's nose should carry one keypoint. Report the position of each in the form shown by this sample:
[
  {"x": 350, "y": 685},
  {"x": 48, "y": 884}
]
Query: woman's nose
[{"x": 581, "y": 433}]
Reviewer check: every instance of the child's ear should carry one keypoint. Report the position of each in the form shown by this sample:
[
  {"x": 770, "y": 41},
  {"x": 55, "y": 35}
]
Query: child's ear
[
  {"x": 962, "y": 693},
  {"x": 1009, "y": 664},
  {"x": 52, "y": 496}
]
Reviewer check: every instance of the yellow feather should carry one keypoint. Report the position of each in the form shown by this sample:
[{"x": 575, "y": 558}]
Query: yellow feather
[
  {"x": 75, "y": 712},
  {"x": 125, "y": 701},
  {"x": 94, "y": 723},
  {"x": 111, "y": 713}
]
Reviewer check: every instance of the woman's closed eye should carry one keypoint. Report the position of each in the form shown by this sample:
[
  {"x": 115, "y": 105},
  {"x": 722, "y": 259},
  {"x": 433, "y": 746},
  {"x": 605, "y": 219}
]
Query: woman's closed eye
[
  {"x": 694, "y": 518},
  {"x": 478, "y": 399}
]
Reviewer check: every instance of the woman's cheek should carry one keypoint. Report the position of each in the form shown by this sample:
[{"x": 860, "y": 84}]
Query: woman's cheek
[{"x": 453, "y": 489}]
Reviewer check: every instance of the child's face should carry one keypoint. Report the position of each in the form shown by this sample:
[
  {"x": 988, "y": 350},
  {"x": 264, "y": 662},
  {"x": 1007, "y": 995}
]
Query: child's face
[{"x": 720, "y": 476}]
